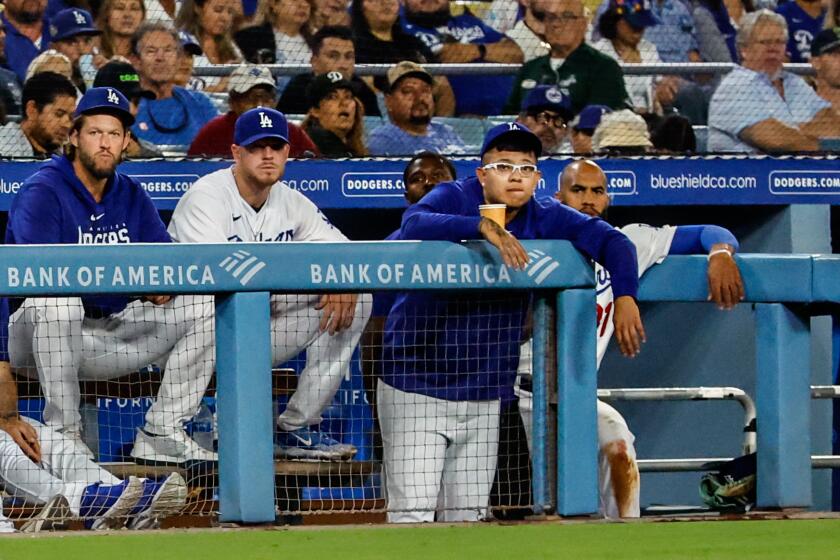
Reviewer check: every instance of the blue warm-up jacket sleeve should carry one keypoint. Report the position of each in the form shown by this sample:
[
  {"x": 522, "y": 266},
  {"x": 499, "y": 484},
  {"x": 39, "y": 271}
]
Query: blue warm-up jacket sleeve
[
  {"x": 35, "y": 217},
  {"x": 438, "y": 216},
  {"x": 693, "y": 240}
]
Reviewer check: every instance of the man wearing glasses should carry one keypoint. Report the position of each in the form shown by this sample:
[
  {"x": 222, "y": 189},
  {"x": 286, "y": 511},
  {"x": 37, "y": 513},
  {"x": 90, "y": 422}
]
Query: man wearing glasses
[
  {"x": 449, "y": 359},
  {"x": 546, "y": 111},
  {"x": 579, "y": 71}
]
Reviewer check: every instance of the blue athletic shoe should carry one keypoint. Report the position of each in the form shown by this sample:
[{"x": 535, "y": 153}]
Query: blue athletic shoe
[
  {"x": 159, "y": 499},
  {"x": 306, "y": 443},
  {"x": 107, "y": 506}
]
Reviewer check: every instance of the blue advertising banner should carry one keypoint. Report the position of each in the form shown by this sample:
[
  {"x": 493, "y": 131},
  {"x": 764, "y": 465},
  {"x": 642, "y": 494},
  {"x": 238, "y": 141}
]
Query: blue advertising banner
[{"x": 377, "y": 182}]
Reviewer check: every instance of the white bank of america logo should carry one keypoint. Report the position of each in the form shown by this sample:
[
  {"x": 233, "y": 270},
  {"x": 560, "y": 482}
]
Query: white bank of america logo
[
  {"x": 540, "y": 266},
  {"x": 242, "y": 265}
]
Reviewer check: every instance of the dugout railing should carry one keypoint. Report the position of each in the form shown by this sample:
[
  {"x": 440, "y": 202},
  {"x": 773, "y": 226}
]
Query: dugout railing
[{"x": 780, "y": 287}]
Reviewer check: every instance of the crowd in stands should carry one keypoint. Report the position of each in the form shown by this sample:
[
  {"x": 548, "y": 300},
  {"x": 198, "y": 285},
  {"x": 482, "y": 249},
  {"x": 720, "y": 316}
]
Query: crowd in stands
[{"x": 576, "y": 47}]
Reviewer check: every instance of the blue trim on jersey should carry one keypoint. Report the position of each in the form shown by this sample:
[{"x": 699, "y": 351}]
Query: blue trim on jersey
[
  {"x": 465, "y": 346},
  {"x": 53, "y": 206}
]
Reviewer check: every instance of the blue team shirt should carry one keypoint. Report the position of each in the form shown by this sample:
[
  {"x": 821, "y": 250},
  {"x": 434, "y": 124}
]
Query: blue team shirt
[
  {"x": 53, "y": 206},
  {"x": 20, "y": 50},
  {"x": 173, "y": 121},
  {"x": 389, "y": 139},
  {"x": 474, "y": 95},
  {"x": 464, "y": 346},
  {"x": 802, "y": 28}
]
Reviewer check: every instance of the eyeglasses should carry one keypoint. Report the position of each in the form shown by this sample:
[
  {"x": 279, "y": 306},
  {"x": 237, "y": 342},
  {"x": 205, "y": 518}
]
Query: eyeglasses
[
  {"x": 544, "y": 117},
  {"x": 526, "y": 170},
  {"x": 565, "y": 17}
]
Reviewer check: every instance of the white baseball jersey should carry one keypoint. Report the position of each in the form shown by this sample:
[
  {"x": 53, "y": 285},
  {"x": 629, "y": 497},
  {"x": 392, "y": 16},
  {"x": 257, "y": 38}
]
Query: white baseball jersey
[
  {"x": 652, "y": 246},
  {"x": 213, "y": 211}
]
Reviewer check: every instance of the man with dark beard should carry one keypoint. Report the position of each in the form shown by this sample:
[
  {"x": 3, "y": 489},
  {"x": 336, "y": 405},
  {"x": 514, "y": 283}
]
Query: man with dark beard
[
  {"x": 80, "y": 199},
  {"x": 48, "y": 102},
  {"x": 410, "y": 108},
  {"x": 27, "y": 33}
]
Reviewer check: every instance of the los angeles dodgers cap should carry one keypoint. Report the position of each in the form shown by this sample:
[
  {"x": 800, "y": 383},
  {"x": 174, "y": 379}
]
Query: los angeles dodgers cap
[
  {"x": 71, "y": 22},
  {"x": 826, "y": 41},
  {"x": 260, "y": 123},
  {"x": 106, "y": 100},
  {"x": 512, "y": 131},
  {"x": 589, "y": 117},
  {"x": 548, "y": 97}
]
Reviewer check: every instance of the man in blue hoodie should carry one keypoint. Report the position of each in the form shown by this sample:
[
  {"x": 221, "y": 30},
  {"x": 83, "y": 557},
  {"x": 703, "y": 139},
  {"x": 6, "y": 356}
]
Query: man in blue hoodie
[
  {"x": 80, "y": 198},
  {"x": 449, "y": 359}
]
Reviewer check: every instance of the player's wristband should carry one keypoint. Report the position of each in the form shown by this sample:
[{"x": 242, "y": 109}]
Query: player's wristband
[{"x": 718, "y": 252}]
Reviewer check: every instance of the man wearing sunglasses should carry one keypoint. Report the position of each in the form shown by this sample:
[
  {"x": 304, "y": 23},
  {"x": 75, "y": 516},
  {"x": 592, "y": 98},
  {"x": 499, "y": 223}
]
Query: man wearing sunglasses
[
  {"x": 449, "y": 360},
  {"x": 546, "y": 111}
]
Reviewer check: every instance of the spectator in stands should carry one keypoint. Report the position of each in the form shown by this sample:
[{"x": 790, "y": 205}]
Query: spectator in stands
[
  {"x": 503, "y": 15},
  {"x": 10, "y": 90},
  {"x": 410, "y": 108},
  {"x": 27, "y": 33},
  {"x": 583, "y": 127},
  {"x": 759, "y": 106},
  {"x": 832, "y": 14},
  {"x": 587, "y": 76},
  {"x": 332, "y": 51},
  {"x": 328, "y": 13},
  {"x": 123, "y": 77},
  {"x": 42, "y": 466},
  {"x": 250, "y": 86},
  {"x": 288, "y": 20},
  {"x": 176, "y": 116},
  {"x": 118, "y": 20},
  {"x": 621, "y": 27},
  {"x": 212, "y": 22},
  {"x": 81, "y": 198},
  {"x": 460, "y": 39},
  {"x": 715, "y": 30},
  {"x": 622, "y": 133},
  {"x": 335, "y": 120},
  {"x": 825, "y": 58},
  {"x": 529, "y": 32},
  {"x": 380, "y": 39},
  {"x": 673, "y": 134},
  {"x": 51, "y": 61},
  {"x": 48, "y": 102},
  {"x": 439, "y": 411},
  {"x": 72, "y": 32},
  {"x": 546, "y": 112},
  {"x": 190, "y": 49},
  {"x": 804, "y": 20}
]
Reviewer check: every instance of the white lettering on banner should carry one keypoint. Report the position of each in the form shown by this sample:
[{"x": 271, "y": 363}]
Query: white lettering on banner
[
  {"x": 457, "y": 275},
  {"x": 9, "y": 187},
  {"x": 308, "y": 185},
  {"x": 384, "y": 183},
  {"x": 157, "y": 185},
  {"x": 116, "y": 276}
]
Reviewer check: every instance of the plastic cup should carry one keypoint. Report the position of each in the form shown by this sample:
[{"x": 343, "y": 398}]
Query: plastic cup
[{"x": 495, "y": 212}]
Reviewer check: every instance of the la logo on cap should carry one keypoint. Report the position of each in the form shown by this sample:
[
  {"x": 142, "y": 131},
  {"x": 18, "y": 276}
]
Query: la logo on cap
[
  {"x": 513, "y": 126},
  {"x": 265, "y": 121},
  {"x": 335, "y": 76},
  {"x": 80, "y": 19},
  {"x": 112, "y": 97}
]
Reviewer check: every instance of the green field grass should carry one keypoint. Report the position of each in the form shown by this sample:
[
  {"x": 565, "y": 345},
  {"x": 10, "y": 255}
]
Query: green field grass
[{"x": 741, "y": 540}]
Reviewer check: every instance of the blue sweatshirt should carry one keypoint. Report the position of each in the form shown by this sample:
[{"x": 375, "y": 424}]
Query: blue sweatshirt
[
  {"x": 464, "y": 346},
  {"x": 53, "y": 206}
]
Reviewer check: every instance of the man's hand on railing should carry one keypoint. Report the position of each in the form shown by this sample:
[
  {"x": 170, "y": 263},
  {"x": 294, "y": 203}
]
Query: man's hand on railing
[
  {"x": 339, "y": 310},
  {"x": 726, "y": 288},
  {"x": 24, "y": 435},
  {"x": 513, "y": 253},
  {"x": 629, "y": 331}
]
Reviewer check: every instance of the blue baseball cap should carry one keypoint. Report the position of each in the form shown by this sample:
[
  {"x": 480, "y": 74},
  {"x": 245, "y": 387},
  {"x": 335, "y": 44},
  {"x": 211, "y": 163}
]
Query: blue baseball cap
[
  {"x": 589, "y": 118},
  {"x": 513, "y": 131},
  {"x": 636, "y": 12},
  {"x": 105, "y": 100},
  {"x": 71, "y": 22},
  {"x": 260, "y": 123},
  {"x": 190, "y": 43},
  {"x": 548, "y": 97}
]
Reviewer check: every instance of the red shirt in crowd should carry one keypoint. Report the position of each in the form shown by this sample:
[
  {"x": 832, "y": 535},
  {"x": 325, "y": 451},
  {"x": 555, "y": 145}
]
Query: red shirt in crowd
[{"x": 215, "y": 138}]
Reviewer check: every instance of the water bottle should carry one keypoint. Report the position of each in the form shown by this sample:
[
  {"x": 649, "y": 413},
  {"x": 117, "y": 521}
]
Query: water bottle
[{"x": 202, "y": 426}]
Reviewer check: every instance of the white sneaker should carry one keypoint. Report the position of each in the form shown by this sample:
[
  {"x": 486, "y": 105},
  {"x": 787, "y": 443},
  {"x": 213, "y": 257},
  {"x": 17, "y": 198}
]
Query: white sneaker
[
  {"x": 173, "y": 449},
  {"x": 159, "y": 500},
  {"x": 119, "y": 499},
  {"x": 53, "y": 515}
]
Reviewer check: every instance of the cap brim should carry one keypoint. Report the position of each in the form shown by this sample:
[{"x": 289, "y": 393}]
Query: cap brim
[
  {"x": 528, "y": 137},
  {"x": 193, "y": 49},
  {"x": 124, "y": 116},
  {"x": 92, "y": 31},
  {"x": 641, "y": 20},
  {"x": 826, "y": 49},
  {"x": 261, "y": 136},
  {"x": 261, "y": 83},
  {"x": 564, "y": 112},
  {"x": 425, "y": 76}
]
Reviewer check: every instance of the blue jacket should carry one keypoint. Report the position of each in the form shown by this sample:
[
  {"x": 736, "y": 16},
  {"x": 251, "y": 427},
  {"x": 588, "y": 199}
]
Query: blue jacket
[{"x": 464, "y": 346}]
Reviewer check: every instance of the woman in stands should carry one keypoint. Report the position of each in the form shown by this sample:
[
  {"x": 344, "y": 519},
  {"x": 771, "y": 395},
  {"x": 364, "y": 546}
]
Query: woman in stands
[
  {"x": 335, "y": 120},
  {"x": 328, "y": 12},
  {"x": 213, "y": 23},
  {"x": 118, "y": 20}
]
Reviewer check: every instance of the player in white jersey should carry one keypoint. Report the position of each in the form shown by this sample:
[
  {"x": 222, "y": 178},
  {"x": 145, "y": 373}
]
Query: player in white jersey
[
  {"x": 248, "y": 202},
  {"x": 583, "y": 187}
]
